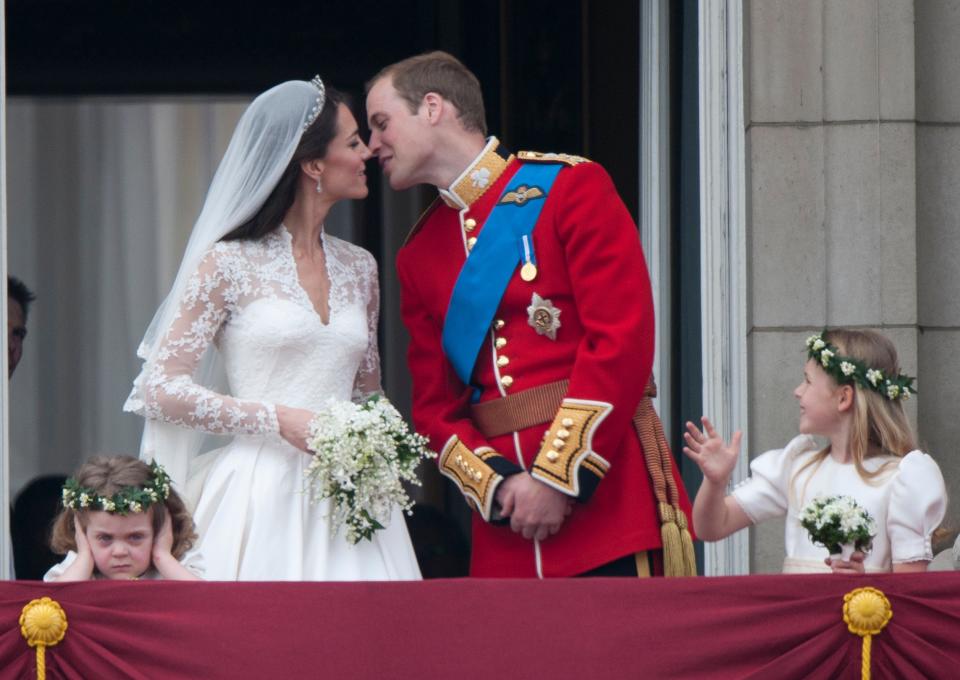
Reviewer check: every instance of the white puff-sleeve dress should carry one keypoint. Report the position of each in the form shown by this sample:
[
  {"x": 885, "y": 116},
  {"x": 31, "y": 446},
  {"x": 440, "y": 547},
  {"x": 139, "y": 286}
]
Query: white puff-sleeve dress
[
  {"x": 908, "y": 500},
  {"x": 192, "y": 560}
]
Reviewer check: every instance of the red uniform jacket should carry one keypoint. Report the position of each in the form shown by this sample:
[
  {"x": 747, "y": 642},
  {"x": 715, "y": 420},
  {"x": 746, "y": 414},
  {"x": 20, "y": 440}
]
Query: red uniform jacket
[{"x": 593, "y": 280}]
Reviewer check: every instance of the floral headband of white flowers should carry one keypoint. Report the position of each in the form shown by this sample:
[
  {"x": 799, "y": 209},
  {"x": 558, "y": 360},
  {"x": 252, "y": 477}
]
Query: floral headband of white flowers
[
  {"x": 126, "y": 500},
  {"x": 847, "y": 370}
]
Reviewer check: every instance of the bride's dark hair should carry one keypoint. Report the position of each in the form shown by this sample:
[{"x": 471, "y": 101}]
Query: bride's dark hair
[{"x": 313, "y": 144}]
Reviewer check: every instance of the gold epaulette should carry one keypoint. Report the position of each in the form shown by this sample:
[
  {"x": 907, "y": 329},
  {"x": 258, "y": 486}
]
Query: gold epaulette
[
  {"x": 420, "y": 220},
  {"x": 541, "y": 157},
  {"x": 568, "y": 446},
  {"x": 471, "y": 473}
]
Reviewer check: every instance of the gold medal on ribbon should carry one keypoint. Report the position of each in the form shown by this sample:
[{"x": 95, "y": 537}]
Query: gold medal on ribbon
[{"x": 528, "y": 272}]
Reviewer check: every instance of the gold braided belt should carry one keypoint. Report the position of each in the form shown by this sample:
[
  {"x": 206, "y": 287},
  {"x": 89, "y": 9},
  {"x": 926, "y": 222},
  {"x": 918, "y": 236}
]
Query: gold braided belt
[{"x": 539, "y": 405}]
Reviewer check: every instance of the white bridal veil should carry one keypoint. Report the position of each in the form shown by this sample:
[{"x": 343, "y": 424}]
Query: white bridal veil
[{"x": 259, "y": 151}]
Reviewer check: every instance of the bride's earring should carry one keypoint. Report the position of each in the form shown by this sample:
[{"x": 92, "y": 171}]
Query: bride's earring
[{"x": 319, "y": 185}]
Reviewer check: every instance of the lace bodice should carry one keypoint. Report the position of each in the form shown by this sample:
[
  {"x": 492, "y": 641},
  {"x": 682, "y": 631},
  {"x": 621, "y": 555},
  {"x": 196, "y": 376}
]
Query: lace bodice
[{"x": 246, "y": 298}]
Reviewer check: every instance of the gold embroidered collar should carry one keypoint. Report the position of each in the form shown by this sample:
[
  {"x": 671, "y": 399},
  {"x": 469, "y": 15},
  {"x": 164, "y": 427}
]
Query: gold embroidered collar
[{"x": 482, "y": 173}]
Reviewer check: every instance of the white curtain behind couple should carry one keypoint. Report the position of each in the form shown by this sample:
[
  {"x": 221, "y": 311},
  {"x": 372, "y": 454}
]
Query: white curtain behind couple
[{"x": 102, "y": 196}]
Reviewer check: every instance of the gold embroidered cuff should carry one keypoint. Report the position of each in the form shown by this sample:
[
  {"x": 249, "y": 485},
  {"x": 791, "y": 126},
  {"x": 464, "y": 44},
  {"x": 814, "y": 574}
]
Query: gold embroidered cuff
[
  {"x": 567, "y": 448},
  {"x": 477, "y": 481}
]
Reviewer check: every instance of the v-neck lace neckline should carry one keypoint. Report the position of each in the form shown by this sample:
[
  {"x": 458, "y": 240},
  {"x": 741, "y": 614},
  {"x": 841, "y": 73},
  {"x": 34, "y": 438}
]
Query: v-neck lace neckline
[{"x": 288, "y": 237}]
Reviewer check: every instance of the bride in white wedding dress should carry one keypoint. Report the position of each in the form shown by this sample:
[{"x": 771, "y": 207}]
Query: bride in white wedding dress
[{"x": 288, "y": 316}]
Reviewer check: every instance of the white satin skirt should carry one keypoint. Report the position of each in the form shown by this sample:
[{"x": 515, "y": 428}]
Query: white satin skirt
[{"x": 256, "y": 524}]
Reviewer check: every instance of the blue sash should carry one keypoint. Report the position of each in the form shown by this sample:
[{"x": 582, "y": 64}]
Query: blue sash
[{"x": 491, "y": 264}]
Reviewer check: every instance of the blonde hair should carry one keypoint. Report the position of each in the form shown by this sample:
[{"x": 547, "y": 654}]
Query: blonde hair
[
  {"x": 880, "y": 426},
  {"x": 109, "y": 474}
]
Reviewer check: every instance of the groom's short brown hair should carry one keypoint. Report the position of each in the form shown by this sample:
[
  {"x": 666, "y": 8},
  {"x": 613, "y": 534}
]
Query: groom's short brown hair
[{"x": 444, "y": 74}]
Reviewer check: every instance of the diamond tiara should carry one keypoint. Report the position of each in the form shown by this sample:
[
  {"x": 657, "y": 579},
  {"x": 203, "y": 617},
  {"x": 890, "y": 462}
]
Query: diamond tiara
[{"x": 318, "y": 105}]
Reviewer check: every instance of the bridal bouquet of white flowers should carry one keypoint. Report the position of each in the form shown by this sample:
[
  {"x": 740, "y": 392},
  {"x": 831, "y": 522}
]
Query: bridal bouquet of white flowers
[
  {"x": 839, "y": 524},
  {"x": 363, "y": 454}
]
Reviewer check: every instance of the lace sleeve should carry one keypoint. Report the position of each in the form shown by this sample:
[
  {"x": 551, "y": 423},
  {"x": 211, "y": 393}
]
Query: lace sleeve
[
  {"x": 170, "y": 392},
  {"x": 367, "y": 381}
]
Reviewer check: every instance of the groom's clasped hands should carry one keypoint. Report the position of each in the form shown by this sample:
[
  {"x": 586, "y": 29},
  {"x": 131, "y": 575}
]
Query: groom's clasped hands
[{"x": 535, "y": 510}]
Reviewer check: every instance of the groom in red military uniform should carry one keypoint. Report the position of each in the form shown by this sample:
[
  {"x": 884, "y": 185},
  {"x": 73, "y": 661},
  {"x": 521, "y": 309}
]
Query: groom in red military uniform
[{"x": 528, "y": 303}]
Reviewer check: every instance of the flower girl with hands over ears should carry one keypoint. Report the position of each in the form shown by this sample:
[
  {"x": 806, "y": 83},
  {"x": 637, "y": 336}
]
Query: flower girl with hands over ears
[
  {"x": 852, "y": 395},
  {"x": 122, "y": 520}
]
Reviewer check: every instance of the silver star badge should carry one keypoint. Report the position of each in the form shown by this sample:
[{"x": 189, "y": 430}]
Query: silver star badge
[{"x": 543, "y": 316}]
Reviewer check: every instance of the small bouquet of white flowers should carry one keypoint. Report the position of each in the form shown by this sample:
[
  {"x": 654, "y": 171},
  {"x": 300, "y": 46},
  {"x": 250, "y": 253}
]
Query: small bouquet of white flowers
[
  {"x": 839, "y": 524},
  {"x": 363, "y": 453}
]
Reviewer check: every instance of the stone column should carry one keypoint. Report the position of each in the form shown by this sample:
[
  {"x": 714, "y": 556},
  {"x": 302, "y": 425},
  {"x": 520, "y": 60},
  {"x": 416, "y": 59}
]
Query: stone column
[
  {"x": 938, "y": 236},
  {"x": 832, "y": 186}
]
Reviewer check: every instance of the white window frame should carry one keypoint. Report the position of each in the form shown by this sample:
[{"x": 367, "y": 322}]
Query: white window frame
[
  {"x": 723, "y": 260},
  {"x": 723, "y": 247},
  {"x": 655, "y": 216}
]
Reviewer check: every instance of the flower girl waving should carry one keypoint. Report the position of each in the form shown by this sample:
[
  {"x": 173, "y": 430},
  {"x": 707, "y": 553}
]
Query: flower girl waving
[
  {"x": 121, "y": 519},
  {"x": 852, "y": 395}
]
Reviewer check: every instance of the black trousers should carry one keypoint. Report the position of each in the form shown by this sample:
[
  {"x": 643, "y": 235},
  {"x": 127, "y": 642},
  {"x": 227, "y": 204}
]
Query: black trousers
[{"x": 627, "y": 566}]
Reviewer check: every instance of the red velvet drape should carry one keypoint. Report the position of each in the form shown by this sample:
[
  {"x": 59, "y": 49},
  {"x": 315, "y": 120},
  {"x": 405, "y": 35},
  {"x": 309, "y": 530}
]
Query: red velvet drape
[{"x": 738, "y": 627}]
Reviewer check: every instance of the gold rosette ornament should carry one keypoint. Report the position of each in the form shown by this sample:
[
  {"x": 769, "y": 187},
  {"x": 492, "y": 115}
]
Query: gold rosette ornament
[
  {"x": 43, "y": 623},
  {"x": 866, "y": 611}
]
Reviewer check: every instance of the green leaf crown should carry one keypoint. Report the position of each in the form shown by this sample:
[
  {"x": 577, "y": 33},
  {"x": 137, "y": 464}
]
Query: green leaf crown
[
  {"x": 848, "y": 370},
  {"x": 126, "y": 500}
]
